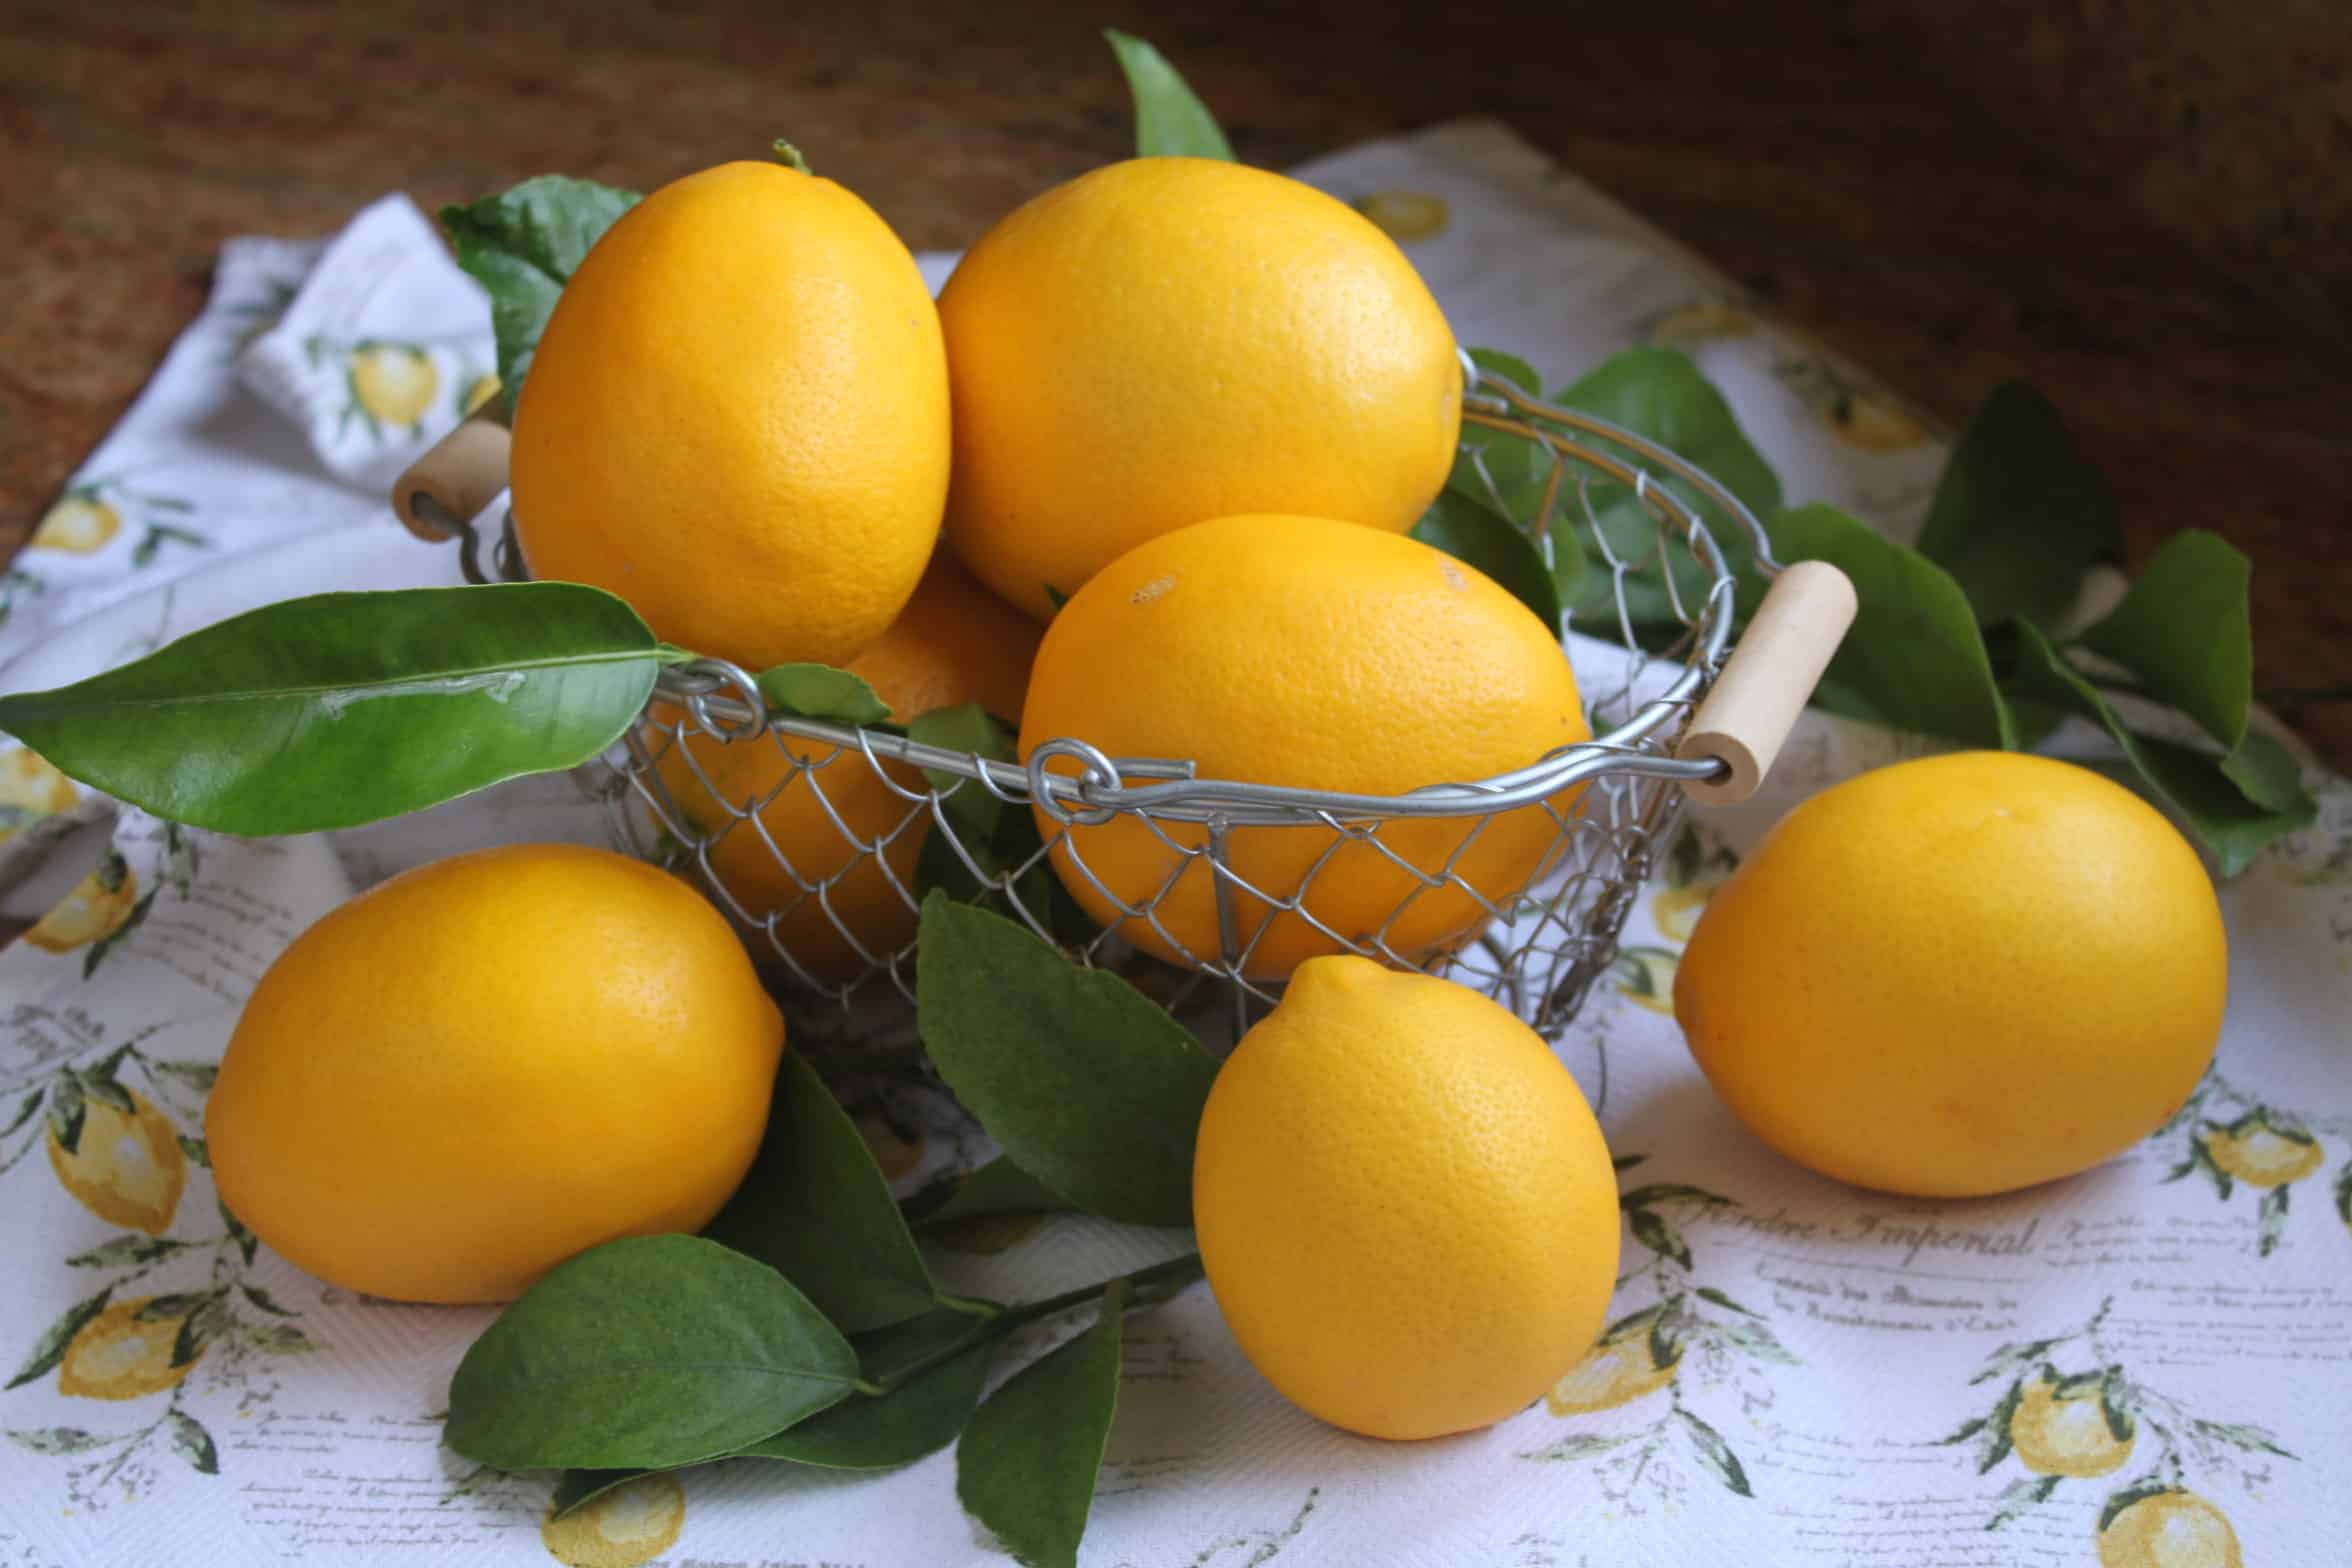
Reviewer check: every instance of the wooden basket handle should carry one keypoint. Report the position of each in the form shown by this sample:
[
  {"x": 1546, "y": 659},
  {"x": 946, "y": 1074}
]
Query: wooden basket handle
[
  {"x": 457, "y": 477},
  {"x": 1767, "y": 680}
]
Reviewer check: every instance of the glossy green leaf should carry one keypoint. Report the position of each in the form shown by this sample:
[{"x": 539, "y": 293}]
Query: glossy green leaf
[
  {"x": 818, "y": 691},
  {"x": 646, "y": 1353},
  {"x": 816, "y": 1208},
  {"x": 926, "y": 1407},
  {"x": 1478, "y": 536},
  {"x": 999, "y": 1187},
  {"x": 1170, "y": 119},
  {"x": 2018, "y": 516},
  {"x": 1661, "y": 394},
  {"x": 992, "y": 839},
  {"x": 922, "y": 1413},
  {"x": 967, "y": 728},
  {"x": 343, "y": 708},
  {"x": 2184, "y": 629},
  {"x": 2196, "y": 785},
  {"x": 1915, "y": 658},
  {"x": 1027, "y": 1464},
  {"x": 1085, "y": 1082},
  {"x": 523, "y": 246}
]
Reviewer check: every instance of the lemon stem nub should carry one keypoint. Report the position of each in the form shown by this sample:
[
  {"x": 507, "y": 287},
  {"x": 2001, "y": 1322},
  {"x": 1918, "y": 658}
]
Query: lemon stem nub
[{"x": 790, "y": 154}]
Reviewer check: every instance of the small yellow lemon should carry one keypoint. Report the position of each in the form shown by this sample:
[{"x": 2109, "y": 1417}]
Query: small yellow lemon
[
  {"x": 124, "y": 1352},
  {"x": 1305, "y": 652},
  {"x": 1170, "y": 339},
  {"x": 30, "y": 789},
  {"x": 1958, "y": 976},
  {"x": 473, "y": 1071},
  {"x": 629, "y": 1525},
  {"x": 1404, "y": 1205},
  {"x": 1621, "y": 1369},
  {"x": 2259, "y": 1155},
  {"x": 2169, "y": 1530},
  {"x": 126, "y": 1169},
  {"x": 96, "y": 908},
  {"x": 393, "y": 382},
  {"x": 1405, "y": 216},
  {"x": 2066, "y": 1433},
  {"x": 81, "y": 524}
]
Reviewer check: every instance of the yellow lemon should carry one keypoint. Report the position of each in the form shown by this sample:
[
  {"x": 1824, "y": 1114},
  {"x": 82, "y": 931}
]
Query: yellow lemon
[
  {"x": 478, "y": 391},
  {"x": 96, "y": 908},
  {"x": 473, "y": 1071},
  {"x": 1305, "y": 652},
  {"x": 1404, "y": 216},
  {"x": 2169, "y": 1530},
  {"x": 1958, "y": 976},
  {"x": 126, "y": 1169},
  {"x": 833, "y": 855},
  {"x": 120, "y": 1354},
  {"x": 81, "y": 524},
  {"x": 30, "y": 789},
  {"x": 1619, "y": 1370},
  {"x": 737, "y": 419},
  {"x": 2066, "y": 1433},
  {"x": 394, "y": 382},
  {"x": 2259, "y": 1155},
  {"x": 1170, "y": 339},
  {"x": 632, "y": 1524},
  {"x": 1404, "y": 1205}
]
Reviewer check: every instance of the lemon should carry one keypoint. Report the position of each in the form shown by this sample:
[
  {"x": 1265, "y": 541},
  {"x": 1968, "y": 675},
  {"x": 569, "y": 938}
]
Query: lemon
[
  {"x": 94, "y": 909},
  {"x": 2066, "y": 1433},
  {"x": 1621, "y": 1369},
  {"x": 123, "y": 1354},
  {"x": 2169, "y": 1530},
  {"x": 80, "y": 524},
  {"x": 128, "y": 1169},
  {"x": 1958, "y": 976},
  {"x": 393, "y": 382},
  {"x": 629, "y": 1525},
  {"x": 468, "y": 1073},
  {"x": 2259, "y": 1155},
  {"x": 1404, "y": 1205},
  {"x": 30, "y": 789}
]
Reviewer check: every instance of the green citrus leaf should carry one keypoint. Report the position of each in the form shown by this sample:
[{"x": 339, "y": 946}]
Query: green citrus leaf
[
  {"x": 919, "y": 1416},
  {"x": 999, "y": 1187},
  {"x": 969, "y": 728},
  {"x": 2020, "y": 1496},
  {"x": 2183, "y": 627},
  {"x": 56, "y": 1440},
  {"x": 1087, "y": 1084},
  {"x": 1474, "y": 533},
  {"x": 2194, "y": 784},
  {"x": 1027, "y": 1464},
  {"x": 49, "y": 1349},
  {"x": 818, "y": 691},
  {"x": 523, "y": 246},
  {"x": 2018, "y": 517},
  {"x": 343, "y": 708},
  {"x": 191, "y": 1442},
  {"x": 1170, "y": 120},
  {"x": 816, "y": 1208},
  {"x": 649, "y": 1353},
  {"x": 1915, "y": 658},
  {"x": 1715, "y": 1453}
]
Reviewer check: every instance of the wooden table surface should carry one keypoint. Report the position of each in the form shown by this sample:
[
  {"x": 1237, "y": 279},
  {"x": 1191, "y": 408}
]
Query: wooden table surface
[{"x": 1817, "y": 154}]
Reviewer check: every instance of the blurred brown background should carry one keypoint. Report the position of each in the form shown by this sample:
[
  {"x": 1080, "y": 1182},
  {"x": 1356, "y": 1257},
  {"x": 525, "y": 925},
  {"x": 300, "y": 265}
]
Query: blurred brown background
[{"x": 2142, "y": 206}]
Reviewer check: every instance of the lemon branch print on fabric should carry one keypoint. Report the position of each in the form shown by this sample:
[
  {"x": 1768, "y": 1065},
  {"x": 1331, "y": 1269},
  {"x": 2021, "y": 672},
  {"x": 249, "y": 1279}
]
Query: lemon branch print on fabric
[
  {"x": 2068, "y": 1409},
  {"x": 1684, "y": 1326},
  {"x": 93, "y": 513},
  {"x": 386, "y": 383},
  {"x": 108, "y": 905},
  {"x": 2231, "y": 1139}
]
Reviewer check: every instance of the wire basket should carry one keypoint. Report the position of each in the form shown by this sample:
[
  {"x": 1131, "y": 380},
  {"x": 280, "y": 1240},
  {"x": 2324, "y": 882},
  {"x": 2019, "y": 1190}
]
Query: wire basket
[{"x": 839, "y": 922}]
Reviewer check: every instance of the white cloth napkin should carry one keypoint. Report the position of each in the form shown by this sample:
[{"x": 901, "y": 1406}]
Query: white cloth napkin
[{"x": 1845, "y": 1330}]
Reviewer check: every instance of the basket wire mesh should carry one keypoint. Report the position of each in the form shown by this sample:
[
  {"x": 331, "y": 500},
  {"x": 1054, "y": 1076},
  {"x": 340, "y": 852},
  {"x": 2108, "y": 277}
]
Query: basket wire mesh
[{"x": 1537, "y": 944}]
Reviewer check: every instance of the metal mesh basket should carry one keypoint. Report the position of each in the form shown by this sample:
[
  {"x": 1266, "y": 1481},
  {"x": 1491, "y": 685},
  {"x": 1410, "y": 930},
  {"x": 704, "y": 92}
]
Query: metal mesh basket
[{"x": 1537, "y": 942}]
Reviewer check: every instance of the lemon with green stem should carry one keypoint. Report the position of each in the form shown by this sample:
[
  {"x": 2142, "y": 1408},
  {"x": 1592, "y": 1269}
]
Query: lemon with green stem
[
  {"x": 126, "y": 1167},
  {"x": 127, "y": 1351},
  {"x": 2066, "y": 1428},
  {"x": 2260, "y": 1153}
]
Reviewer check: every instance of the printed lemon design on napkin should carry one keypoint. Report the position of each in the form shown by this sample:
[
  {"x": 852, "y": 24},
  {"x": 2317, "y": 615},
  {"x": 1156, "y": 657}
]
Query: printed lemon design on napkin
[
  {"x": 30, "y": 789},
  {"x": 1646, "y": 974},
  {"x": 2064, "y": 1428},
  {"x": 99, "y": 906},
  {"x": 1405, "y": 215},
  {"x": 1856, "y": 415},
  {"x": 125, "y": 1167},
  {"x": 2166, "y": 1529},
  {"x": 481, "y": 389},
  {"x": 2260, "y": 1154},
  {"x": 627, "y": 1526},
  {"x": 392, "y": 383},
  {"x": 1699, "y": 321},
  {"x": 1619, "y": 1370},
  {"x": 79, "y": 524},
  {"x": 128, "y": 1350}
]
